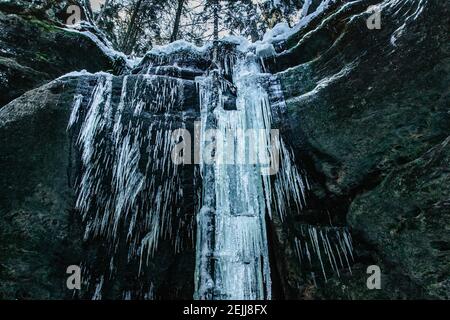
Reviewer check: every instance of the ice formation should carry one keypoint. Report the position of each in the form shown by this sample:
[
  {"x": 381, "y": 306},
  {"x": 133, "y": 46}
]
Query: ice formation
[
  {"x": 232, "y": 245},
  {"x": 130, "y": 191}
]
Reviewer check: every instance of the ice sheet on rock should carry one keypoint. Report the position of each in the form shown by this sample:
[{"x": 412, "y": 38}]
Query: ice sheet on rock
[
  {"x": 237, "y": 239},
  {"x": 232, "y": 245},
  {"x": 104, "y": 45},
  {"x": 129, "y": 190}
]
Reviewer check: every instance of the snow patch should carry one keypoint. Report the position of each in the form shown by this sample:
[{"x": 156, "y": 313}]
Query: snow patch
[
  {"x": 104, "y": 45},
  {"x": 179, "y": 45},
  {"x": 81, "y": 73},
  {"x": 282, "y": 31}
]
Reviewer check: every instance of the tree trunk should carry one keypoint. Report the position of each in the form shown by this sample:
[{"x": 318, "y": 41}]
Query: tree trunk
[
  {"x": 216, "y": 28},
  {"x": 253, "y": 29},
  {"x": 132, "y": 25},
  {"x": 176, "y": 26},
  {"x": 100, "y": 15},
  {"x": 216, "y": 20},
  {"x": 87, "y": 10}
]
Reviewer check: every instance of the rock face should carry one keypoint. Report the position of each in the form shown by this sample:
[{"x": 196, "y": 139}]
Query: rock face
[
  {"x": 368, "y": 114},
  {"x": 43, "y": 233},
  {"x": 50, "y": 10},
  {"x": 409, "y": 219},
  {"x": 367, "y": 117},
  {"x": 35, "y": 51},
  {"x": 38, "y": 233}
]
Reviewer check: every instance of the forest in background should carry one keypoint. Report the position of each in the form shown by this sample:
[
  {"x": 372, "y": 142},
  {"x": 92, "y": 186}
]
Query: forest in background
[{"x": 136, "y": 26}]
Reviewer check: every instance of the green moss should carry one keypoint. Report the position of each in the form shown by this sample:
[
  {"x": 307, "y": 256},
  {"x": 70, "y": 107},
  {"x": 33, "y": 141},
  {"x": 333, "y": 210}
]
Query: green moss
[
  {"x": 45, "y": 26},
  {"x": 41, "y": 56}
]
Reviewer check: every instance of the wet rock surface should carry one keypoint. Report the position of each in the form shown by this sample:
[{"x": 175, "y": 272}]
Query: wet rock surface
[
  {"x": 43, "y": 233},
  {"x": 34, "y": 51},
  {"x": 39, "y": 236},
  {"x": 367, "y": 117},
  {"x": 364, "y": 109}
]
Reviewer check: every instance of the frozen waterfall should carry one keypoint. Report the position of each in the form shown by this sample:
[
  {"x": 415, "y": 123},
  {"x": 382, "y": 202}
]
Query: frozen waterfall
[
  {"x": 232, "y": 246},
  {"x": 137, "y": 204}
]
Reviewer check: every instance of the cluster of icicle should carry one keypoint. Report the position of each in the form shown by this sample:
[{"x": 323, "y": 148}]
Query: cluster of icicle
[
  {"x": 232, "y": 245},
  {"x": 332, "y": 242},
  {"x": 129, "y": 190}
]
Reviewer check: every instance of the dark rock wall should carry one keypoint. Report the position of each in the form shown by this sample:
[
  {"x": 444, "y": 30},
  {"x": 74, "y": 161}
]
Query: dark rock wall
[
  {"x": 368, "y": 114},
  {"x": 41, "y": 233},
  {"x": 34, "y": 51},
  {"x": 367, "y": 117},
  {"x": 38, "y": 234}
]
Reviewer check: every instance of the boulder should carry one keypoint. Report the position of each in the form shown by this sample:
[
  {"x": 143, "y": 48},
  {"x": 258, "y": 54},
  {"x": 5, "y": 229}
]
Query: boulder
[
  {"x": 43, "y": 232},
  {"x": 364, "y": 107},
  {"x": 35, "y": 51}
]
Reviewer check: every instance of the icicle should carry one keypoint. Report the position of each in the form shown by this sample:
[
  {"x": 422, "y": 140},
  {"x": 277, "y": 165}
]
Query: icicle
[
  {"x": 242, "y": 195},
  {"x": 331, "y": 240},
  {"x": 115, "y": 191},
  {"x": 75, "y": 111},
  {"x": 98, "y": 290},
  {"x": 239, "y": 250}
]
